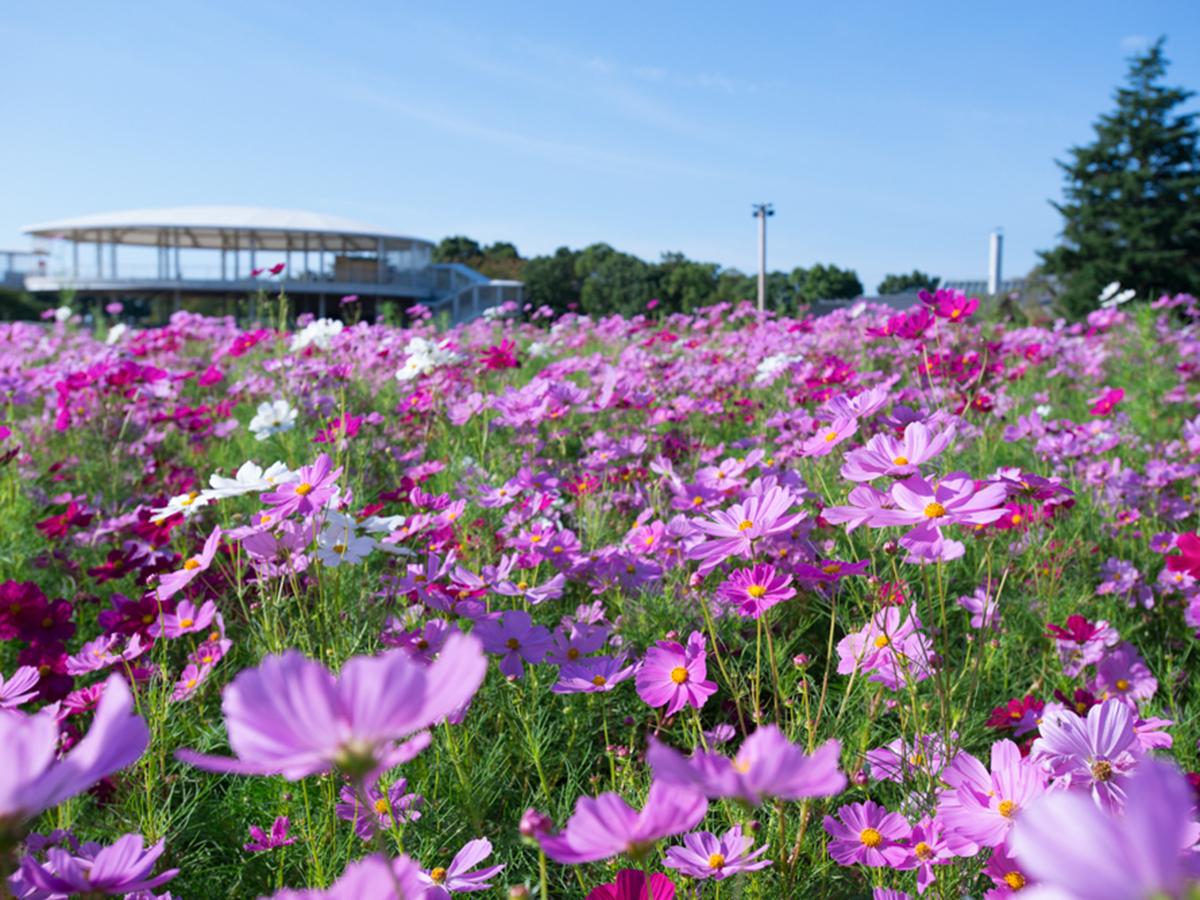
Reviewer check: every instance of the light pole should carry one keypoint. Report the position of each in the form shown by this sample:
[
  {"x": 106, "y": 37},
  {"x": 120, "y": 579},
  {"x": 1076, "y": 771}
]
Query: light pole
[{"x": 761, "y": 212}]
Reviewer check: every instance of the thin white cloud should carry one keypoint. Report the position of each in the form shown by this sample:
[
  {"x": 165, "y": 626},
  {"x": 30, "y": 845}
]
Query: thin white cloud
[{"x": 1135, "y": 43}]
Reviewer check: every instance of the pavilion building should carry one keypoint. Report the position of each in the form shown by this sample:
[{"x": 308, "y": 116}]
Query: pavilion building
[{"x": 215, "y": 257}]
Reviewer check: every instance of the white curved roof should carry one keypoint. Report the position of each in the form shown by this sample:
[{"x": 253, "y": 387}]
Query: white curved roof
[{"x": 214, "y": 227}]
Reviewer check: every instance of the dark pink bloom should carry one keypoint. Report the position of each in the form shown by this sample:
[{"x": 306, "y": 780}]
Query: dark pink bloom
[
  {"x": 1104, "y": 404},
  {"x": 631, "y": 885},
  {"x": 753, "y": 591},
  {"x": 1188, "y": 559},
  {"x": 260, "y": 841}
]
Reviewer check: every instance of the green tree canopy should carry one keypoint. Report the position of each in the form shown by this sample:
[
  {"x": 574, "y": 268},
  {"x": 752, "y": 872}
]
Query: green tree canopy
[
  {"x": 915, "y": 281},
  {"x": 828, "y": 282},
  {"x": 458, "y": 248},
  {"x": 1131, "y": 207}
]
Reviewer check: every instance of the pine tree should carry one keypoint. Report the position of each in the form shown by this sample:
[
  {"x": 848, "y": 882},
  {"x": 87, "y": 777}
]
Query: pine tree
[{"x": 1132, "y": 197}]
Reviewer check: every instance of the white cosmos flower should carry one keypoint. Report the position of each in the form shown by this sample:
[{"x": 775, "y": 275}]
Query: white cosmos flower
[
  {"x": 63, "y": 313},
  {"x": 116, "y": 333},
  {"x": 424, "y": 357},
  {"x": 1112, "y": 296},
  {"x": 338, "y": 543},
  {"x": 273, "y": 418},
  {"x": 249, "y": 479},
  {"x": 1043, "y": 410},
  {"x": 183, "y": 503},
  {"x": 319, "y": 334}
]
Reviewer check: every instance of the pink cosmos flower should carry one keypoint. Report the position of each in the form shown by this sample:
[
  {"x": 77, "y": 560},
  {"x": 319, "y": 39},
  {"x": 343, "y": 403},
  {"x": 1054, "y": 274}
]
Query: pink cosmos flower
[
  {"x": 865, "y": 503},
  {"x": 375, "y": 810},
  {"x": 190, "y": 679},
  {"x": 19, "y": 687},
  {"x": 929, "y": 848},
  {"x": 733, "y": 531},
  {"x": 313, "y": 487},
  {"x": 868, "y": 834},
  {"x": 122, "y": 868},
  {"x": 766, "y": 765},
  {"x": 631, "y": 885},
  {"x": 674, "y": 676},
  {"x": 513, "y": 635},
  {"x": 704, "y": 855},
  {"x": 592, "y": 676},
  {"x": 753, "y": 591},
  {"x": 1081, "y": 643},
  {"x": 173, "y": 583},
  {"x": 894, "y": 651},
  {"x": 1095, "y": 755},
  {"x": 605, "y": 826},
  {"x": 371, "y": 877},
  {"x": 1123, "y": 673},
  {"x": 952, "y": 501},
  {"x": 1009, "y": 876},
  {"x": 291, "y": 717},
  {"x": 981, "y": 807},
  {"x": 823, "y": 442},
  {"x": 457, "y": 877},
  {"x": 1083, "y": 852},
  {"x": 32, "y": 778},
  {"x": 260, "y": 841},
  {"x": 955, "y": 306},
  {"x": 885, "y": 455},
  {"x": 186, "y": 619}
]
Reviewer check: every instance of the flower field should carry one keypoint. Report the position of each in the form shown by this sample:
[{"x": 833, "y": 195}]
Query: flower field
[{"x": 711, "y": 605}]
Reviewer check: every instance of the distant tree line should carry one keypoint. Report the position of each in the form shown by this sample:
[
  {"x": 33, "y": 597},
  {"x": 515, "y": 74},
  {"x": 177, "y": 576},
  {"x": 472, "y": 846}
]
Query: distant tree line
[{"x": 600, "y": 279}]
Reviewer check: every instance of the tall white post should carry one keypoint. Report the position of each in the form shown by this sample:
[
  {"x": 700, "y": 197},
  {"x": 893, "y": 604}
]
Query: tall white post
[
  {"x": 761, "y": 211},
  {"x": 995, "y": 253}
]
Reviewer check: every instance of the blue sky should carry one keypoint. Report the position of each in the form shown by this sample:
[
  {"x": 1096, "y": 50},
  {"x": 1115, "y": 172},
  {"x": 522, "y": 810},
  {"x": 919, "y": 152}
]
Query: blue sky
[{"x": 888, "y": 135}]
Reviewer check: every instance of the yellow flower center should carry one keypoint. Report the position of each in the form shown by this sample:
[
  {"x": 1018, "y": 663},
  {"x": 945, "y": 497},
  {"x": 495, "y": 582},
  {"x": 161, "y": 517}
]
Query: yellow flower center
[
  {"x": 1007, "y": 808},
  {"x": 339, "y": 549},
  {"x": 512, "y": 644},
  {"x": 148, "y": 618},
  {"x": 192, "y": 563},
  {"x": 741, "y": 765},
  {"x": 756, "y": 591},
  {"x": 696, "y": 501},
  {"x": 935, "y": 510},
  {"x": 679, "y": 674},
  {"x": 304, "y": 489},
  {"x": 716, "y": 861},
  {"x": 1122, "y": 685},
  {"x": 1102, "y": 770},
  {"x": 831, "y": 568},
  {"x": 557, "y": 550},
  {"x": 1017, "y": 518},
  {"x": 522, "y": 585},
  {"x": 870, "y": 837},
  {"x": 830, "y": 437},
  {"x": 900, "y": 461},
  {"x": 955, "y": 313},
  {"x": 534, "y": 538},
  {"x": 1015, "y": 880},
  {"x": 186, "y": 623},
  {"x": 381, "y": 805},
  {"x": 745, "y": 525},
  {"x": 438, "y": 875},
  {"x": 923, "y": 851},
  {"x": 882, "y": 641},
  {"x": 599, "y": 681},
  {"x": 191, "y": 683}
]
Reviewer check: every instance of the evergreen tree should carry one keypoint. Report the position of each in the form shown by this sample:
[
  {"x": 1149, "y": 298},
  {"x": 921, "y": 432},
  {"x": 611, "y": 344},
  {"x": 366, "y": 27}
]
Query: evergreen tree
[{"x": 1132, "y": 196}]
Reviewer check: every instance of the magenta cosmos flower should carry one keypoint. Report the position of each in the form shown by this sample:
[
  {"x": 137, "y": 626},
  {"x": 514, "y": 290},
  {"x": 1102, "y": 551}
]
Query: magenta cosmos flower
[
  {"x": 457, "y": 878},
  {"x": 885, "y": 455},
  {"x": 732, "y": 532},
  {"x": 32, "y": 779},
  {"x": 755, "y": 590},
  {"x": 171, "y": 584},
  {"x": 513, "y": 635},
  {"x": 868, "y": 834},
  {"x": 123, "y": 868},
  {"x": 766, "y": 765},
  {"x": 674, "y": 676},
  {"x": 704, "y": 855},
  {"x": 1085, "y": 853},
  {"x": 291, "y": 717},
  {"x": 605, "y": 826},
  {"x": 1095, "y": 755},
  {"x": 261, "y": 841},
  {"x": 372, "y": 876},
  {"x": 631, "y": 885},
  {"x": 311, "y": 490}
]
